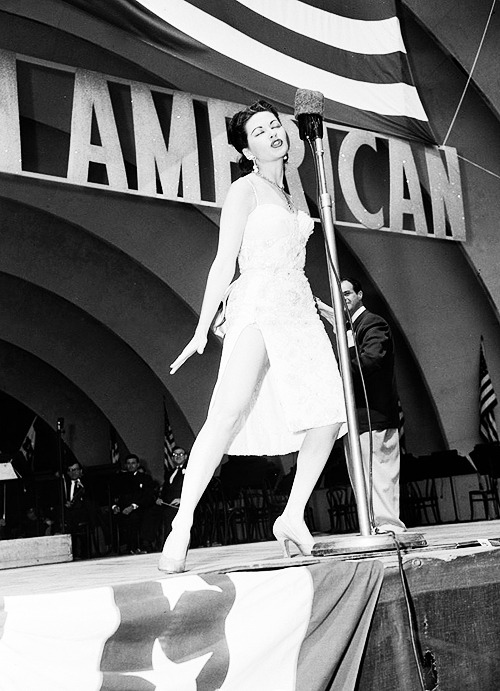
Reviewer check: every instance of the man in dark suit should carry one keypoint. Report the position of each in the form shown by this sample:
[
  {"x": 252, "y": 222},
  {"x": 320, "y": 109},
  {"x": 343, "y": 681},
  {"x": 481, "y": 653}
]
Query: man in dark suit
[
  {"x": 163, "y": 512},
  {"x": 375, "y": 346},
  {"x": 80, "y": 509},
  {"x": 134, "y": 495}
]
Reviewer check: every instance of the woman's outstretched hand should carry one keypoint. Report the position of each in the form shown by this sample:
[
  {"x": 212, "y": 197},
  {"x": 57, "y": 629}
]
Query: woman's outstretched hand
[
  {"x": 196, "y": 345},
  {"x": 325, "y": 310}
]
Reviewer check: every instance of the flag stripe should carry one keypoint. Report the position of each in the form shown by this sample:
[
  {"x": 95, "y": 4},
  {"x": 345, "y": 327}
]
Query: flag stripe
[
  {"x": 352, "y": 52},
  {"x": 28, "y": 444},
  {"x": 385, "y": 99},
  {"x": 357, "y": 9},
  {"x": 388, "y": 67},
  {"x": 402, "y": 433},
  {"x": 398, "y": 126},
  {"x": 360, "y": 597},
  {"x": 489, "y": 428},
  {"x": 325, "y": 27},
  {"x": 168, "y": 441},
  {"x": 114, "y": 451},
  {"x": 487, "y": 401}
]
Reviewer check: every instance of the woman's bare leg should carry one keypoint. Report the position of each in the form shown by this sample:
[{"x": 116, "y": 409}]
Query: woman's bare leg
[
  {"x": 311, "y": 460},
  {"x": 235, "y": 390}
]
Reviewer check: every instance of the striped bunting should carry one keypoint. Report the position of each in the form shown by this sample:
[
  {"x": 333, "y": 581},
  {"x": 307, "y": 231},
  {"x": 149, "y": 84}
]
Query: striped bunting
[
  {"x": 300, "y": 628},
  {"x": 352, "y": 52},
  {"x": 487, "y": 401}
]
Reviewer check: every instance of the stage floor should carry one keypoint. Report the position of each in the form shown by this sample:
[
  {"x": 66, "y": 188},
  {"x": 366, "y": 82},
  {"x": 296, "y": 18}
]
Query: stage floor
[{"x": 446, "y": 541}]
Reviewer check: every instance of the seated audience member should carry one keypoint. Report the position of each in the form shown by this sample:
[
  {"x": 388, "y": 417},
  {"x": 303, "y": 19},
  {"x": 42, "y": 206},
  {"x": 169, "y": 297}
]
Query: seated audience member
[
  {"x": 133, "y": 496},
  {"x": 163, "y": 512},
  {"x": 80, "y": 509},
  {"x": 33, "y": 525}
]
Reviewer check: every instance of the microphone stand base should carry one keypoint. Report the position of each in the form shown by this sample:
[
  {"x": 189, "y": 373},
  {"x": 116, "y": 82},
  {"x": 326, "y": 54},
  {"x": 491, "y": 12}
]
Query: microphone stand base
[{"x": 360, "y": 544}]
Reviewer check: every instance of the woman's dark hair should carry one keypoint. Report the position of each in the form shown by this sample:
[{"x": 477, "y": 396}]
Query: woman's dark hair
[{"x": 237, "y": 134}]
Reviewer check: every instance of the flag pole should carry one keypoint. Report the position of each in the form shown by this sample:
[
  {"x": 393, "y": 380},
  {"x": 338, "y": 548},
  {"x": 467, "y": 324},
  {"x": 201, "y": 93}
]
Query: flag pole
[{"x": 60, "y": 432}]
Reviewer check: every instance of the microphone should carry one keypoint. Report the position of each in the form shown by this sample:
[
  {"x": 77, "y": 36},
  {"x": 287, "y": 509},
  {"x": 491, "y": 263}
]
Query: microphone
[{"x": 309, "y": 108}]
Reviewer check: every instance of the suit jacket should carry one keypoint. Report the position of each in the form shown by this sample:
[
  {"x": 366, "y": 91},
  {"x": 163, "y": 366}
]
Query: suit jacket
[
  {"x": 172, "y": 485},
  {"x": 135, "y": 488},
  {"x": 81, "y": 495},
  {"x": 376, "y": 353},
  {"x": 83, "y": 504}
]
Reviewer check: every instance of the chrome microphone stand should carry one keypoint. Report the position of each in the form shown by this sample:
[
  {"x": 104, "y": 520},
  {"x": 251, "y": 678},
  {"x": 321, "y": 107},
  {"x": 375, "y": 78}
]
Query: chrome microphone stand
[{"x": 311, "y": 130}]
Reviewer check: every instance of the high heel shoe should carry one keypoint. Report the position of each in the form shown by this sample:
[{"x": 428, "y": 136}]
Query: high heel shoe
[
  {"x": 285, "y": 534},
  {"x": 169, "y": 564}
]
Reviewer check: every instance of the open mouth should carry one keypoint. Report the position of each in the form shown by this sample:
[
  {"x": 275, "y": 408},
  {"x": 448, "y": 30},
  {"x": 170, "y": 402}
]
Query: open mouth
[{"x": 277, "y": 143}]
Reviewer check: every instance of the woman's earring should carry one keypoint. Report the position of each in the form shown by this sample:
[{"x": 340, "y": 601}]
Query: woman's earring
[
  {"x": 255, "y": 165},
  {"x": 285, "y": 158}
]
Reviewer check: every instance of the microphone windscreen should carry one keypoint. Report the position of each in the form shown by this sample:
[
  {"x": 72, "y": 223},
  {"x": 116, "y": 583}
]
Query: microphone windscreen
[{"x": 309, "y": 102}]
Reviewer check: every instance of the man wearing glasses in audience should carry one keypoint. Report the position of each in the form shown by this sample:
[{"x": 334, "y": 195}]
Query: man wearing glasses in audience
[{"x": 164, "y": 511}]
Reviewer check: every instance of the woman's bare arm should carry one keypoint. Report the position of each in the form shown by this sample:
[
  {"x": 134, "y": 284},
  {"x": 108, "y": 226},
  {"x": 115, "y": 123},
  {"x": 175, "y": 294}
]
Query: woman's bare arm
[{"x": 239, "y": 203}]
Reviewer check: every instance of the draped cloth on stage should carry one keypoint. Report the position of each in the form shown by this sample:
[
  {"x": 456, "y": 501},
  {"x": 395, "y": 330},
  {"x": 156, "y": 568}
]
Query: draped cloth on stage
[{"x": 299, "y": 628}]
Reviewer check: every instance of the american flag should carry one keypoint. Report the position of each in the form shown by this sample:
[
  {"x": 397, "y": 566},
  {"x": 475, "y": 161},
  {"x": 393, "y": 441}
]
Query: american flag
[
  {"x": 402, "y": 434},
  {"x": 352, "y": 52},
  {"x": 28, "y": 445},
  {"x": 114, "y": 452},
  {"x": 487, "y": 401},
  {"x": 168, "y": 441}
]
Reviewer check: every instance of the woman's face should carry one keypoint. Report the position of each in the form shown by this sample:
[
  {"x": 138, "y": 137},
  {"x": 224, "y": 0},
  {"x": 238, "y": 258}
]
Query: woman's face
[{"x": 267, "y": 138}]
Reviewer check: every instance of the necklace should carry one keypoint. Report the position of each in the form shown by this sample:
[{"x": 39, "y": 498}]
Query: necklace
[{"x": 281, "y": 189}]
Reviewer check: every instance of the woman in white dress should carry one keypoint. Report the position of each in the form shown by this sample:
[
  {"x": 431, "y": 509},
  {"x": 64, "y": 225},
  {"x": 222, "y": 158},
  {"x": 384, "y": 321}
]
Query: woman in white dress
[{"x": 279, "y": 388}]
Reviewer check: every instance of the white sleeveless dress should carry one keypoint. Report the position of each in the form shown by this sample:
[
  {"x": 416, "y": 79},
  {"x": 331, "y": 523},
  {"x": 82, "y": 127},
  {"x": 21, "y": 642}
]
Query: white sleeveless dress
[{"x": 300, "y": 388}]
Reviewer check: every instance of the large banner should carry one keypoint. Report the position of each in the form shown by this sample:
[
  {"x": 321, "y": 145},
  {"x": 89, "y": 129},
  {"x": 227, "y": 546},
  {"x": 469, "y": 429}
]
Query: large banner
[
  {"x": 127, "y": 136},
  {"x": 300, "y": 628}
]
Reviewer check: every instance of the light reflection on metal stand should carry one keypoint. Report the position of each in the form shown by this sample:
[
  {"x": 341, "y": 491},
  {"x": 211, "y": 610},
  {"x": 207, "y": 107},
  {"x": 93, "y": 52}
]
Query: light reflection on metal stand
[{"x": 308, "y": 111}]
